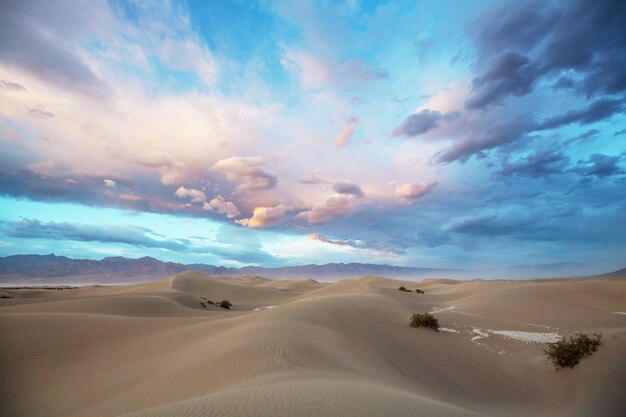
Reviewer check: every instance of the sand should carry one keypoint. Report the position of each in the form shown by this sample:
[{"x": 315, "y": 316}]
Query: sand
[{"x": 303, "y": 348}]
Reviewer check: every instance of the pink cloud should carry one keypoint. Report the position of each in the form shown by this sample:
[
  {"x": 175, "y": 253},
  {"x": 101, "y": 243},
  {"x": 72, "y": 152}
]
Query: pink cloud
[
  {"x": 411, "y": 192},
  {"x": 250, "y": 172},
  {"x": 196, "y": 196},
  {"x": 222, "y": 206},
  {"x": 265, "y": 216},
  {"x": 346, "y": 133}
]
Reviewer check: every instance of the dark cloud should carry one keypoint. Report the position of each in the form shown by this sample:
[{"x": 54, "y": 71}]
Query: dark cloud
[
  {"x": 599, "y": 110},
  {"x": 130, "y": 235},
  {"x": 422, "y": 122},
  {"x": 563, "y": 83},
  {"x": 619, "y": 132},
  {"x": 537, "y": 164},
  {"x": 600, "y": 165},
  {"x": 510, "y": 74},
  {"x": 11, "y": 86},
  {"x": 519, "y": 44},
  {"x": 497, "y": 135},
  {"x": 348, "y": 188},
  {"x": 36, "y": 37}
]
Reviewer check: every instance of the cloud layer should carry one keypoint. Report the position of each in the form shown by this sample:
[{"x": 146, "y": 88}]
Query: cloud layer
[{"x": 361, "y": 130}]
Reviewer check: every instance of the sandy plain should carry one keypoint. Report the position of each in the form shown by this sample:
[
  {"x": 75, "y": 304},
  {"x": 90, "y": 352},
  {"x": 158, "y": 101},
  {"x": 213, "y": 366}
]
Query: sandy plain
[{"x": 303, "y": 348}]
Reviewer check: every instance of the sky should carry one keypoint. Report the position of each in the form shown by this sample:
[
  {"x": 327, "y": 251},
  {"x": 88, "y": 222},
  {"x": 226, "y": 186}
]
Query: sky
[{"x": 456, "y": 134}]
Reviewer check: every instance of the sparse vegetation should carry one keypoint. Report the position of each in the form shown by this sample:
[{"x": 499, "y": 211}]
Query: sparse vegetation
[
  {"x": 202, "y": 304},
  {"x": 569, "y": 351},
  {"x": 403, "y": 288},
  {"x": 424, "y": 320},
  {"x": 5, "y": 296},
  {"x": 418, "y": 291},
  {"x": 225, "y": 304},
  {"x": 209, "y": 301}
]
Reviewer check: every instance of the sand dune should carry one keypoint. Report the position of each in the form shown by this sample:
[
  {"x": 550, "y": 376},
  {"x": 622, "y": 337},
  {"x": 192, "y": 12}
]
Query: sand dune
[{"x": 302, "y": 348}]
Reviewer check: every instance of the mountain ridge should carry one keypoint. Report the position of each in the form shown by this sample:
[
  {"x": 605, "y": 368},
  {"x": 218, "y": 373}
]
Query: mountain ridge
[{"x": 117, "y": 268}]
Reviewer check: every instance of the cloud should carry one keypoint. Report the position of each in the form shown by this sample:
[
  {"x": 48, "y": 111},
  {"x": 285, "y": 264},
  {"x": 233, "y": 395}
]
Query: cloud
[
  {"x": 196, "y": 196},
  {"x": 344, "y": 136},
  {"x": 130, "y": 235},
  {"x": 411, "y": 192},
  {"x": 40, "y": 114},
  {"x": 45, "y": 30},
  {"x": 250, "y": 172},
  {"x": 422, "y": 122},
  {"x": 327, "y": 209},
  {"x": 314, "y": 179},
  {"x": 360, "y": 70},
  {"x": 109, "y": 183},
  {"x": 171, "y": 171},
  {"x": 537, "y": 164},
  {"x": 345, "y": 242},
  {"x": 11, "y": 86},
  {"x": 524, "y": 43},
  {"x": 600, "y": 165},
  {"x": 599, "y": 110},
  {"x": 265, "y": 216},
  {"x": 619, "y": 132},
  {"x": 510, "y": 74},
  {"x": 190, "y": 55},
  {"x": 348, "y": 188},
  {"x": 491, "y": 136},
  {"x": 222, "y": 206}
]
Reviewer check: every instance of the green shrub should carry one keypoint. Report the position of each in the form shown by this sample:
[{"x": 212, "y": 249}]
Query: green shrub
[
  {"x": 424, "y": 320},
  {"x": 569, "y": 351},
  {"x": 225, "y": 304}
]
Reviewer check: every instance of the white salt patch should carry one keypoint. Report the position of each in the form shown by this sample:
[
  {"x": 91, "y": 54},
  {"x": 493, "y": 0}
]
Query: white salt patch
[
  {"x": 441, "y": 310},
  {"x": 446, "y": 330},
  {"x": 480, "y": 335},
  {"x": 619, "y": 312},
  {"x": 528, "y": 337},
  {"x": 263, "y": 308}
]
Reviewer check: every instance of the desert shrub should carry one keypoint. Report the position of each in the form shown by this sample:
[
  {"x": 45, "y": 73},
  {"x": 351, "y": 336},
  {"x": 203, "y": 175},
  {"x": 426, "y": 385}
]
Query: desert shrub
[
  {"x": 424, "y": 320},
  {"x": 569, "y": 351},
  {"x": 225, "y": 304},
  {"x": 210, "y": 302},
  {"x": 418, "y": 291},
  {"x": 403, "y": 288},
  {"x": 202, "y": 304},
  {"x": 5, "y": 296}
]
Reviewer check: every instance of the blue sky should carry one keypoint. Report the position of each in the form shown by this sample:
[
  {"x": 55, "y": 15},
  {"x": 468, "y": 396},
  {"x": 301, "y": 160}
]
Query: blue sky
[{"x": 436, "y": 134}]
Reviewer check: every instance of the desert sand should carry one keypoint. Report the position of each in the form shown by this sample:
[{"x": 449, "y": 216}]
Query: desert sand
[{"x": 303, "y": 348}]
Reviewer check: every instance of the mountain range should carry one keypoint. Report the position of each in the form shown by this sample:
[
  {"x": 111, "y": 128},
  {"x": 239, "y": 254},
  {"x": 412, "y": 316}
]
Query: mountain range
[{"x": 53, "y": 269}]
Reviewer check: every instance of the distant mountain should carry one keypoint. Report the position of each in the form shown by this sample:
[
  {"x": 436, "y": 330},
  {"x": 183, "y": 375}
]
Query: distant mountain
[
  {"x": 41, "y": 269},
  {"x": 620, "y": 273}
]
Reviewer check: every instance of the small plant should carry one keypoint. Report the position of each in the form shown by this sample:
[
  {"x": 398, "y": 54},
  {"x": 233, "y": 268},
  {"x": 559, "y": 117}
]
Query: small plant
[
  {"x": 225, "y": 304},
  {"x": 569, "y": 351},
  {"x": 210, "y": 302},
  {"x": 202, "y": 304},
  {"x": 424, "y": 320},
  {"x": 418, "y": 291},
  {"x": 403, "y": 288},
  {"x": 5, "y": 296}
]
